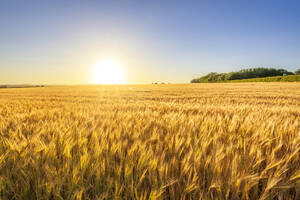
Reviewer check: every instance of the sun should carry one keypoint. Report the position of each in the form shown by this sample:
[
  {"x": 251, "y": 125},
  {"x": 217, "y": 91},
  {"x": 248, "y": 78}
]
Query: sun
[{"x": 108, "y": 72}]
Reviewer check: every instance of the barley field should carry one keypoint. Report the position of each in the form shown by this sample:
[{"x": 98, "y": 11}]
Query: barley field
[{"x": 189, "y": 141}]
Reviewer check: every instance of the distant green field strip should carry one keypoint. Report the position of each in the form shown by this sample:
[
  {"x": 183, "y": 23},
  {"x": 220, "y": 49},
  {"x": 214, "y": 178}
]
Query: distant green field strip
[{"x": 289, "y": 78}]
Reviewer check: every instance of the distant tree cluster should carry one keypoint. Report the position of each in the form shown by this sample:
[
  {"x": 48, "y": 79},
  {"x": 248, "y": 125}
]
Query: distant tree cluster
[
  {"x": 155, "y": 83},
  {"x": 243, "y": 74},
  {"x": 20, "y": 86}
]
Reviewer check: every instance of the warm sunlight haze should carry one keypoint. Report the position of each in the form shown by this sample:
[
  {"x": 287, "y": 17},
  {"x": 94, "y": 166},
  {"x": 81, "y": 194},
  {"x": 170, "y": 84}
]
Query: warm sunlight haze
[
  {"x": 149, "y": 100},
  {"x": 108, "y": 72}
]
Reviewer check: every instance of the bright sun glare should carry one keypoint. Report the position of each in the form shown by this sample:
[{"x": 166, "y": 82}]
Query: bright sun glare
[{"x": 108, "y": 72}]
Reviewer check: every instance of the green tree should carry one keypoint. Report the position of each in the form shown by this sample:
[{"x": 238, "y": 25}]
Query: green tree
[{"x": 242, "y": 74}]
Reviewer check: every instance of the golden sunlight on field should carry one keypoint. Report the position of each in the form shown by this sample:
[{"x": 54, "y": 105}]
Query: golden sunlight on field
[{"x": 193, "y": 141}]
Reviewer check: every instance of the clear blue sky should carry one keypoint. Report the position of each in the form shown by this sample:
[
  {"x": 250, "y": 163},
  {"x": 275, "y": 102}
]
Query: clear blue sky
[{"x": 59, "y": 41}]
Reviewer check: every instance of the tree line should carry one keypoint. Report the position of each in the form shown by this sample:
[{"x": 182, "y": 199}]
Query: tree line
[{"x": 243, "y": 74}]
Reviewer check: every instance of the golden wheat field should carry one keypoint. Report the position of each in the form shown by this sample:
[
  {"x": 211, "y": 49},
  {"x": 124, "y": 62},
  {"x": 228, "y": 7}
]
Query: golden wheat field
[{"x": 192, "y": 141}]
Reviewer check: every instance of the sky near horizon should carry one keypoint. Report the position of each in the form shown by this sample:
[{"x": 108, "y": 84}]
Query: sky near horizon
[{"x": 59, "y": 42}]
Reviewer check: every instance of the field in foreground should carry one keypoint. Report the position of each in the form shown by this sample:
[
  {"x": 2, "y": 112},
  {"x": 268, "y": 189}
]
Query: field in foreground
[{"x": 194, "y": 141}]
